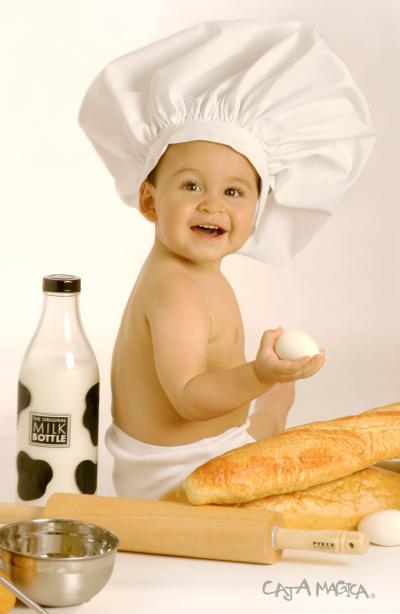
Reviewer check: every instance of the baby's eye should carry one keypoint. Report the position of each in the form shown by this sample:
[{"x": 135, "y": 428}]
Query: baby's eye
[
  {"x": 191, "y": 186},
  {"x": 234, "y": 192}
]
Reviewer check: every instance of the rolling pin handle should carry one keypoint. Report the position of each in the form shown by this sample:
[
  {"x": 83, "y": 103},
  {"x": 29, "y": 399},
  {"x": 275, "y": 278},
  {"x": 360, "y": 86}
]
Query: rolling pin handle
[
  {"x": 327, "y": 541},
  {"x": 273, "y": 537}
]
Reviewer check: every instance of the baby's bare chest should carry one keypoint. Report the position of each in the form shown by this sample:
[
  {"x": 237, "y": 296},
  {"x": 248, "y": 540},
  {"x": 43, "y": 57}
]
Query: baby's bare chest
[{"x": 226, "y": 340}]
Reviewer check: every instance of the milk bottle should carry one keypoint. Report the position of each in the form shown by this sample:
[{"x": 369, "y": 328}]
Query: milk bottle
[{"x": 58, "y": 400}]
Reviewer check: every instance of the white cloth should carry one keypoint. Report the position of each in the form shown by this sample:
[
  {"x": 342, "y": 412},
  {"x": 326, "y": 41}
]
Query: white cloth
[
  {"x": 147, "y": 471},
  {"x": 275, "y": 92}
]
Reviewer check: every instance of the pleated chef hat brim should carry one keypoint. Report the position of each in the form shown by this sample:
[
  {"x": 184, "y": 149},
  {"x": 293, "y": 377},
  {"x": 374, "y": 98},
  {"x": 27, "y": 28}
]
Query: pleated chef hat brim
[{"x": 275, "y": 92}]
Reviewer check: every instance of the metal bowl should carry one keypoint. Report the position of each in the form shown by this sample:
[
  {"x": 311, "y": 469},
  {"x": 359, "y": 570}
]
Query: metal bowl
[{"x": 57, "y": 562}]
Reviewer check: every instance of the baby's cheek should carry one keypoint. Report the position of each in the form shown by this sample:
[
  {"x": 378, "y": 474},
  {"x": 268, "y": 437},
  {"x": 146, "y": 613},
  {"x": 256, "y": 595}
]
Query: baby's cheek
[{"x": 247, "y": 225}]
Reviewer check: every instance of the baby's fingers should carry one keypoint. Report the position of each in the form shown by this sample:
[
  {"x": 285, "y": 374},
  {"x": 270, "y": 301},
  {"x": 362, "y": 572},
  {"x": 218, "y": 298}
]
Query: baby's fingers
[
  {"x": 294, "y": 365},
  {"x": 268, "y": 341},
  {"x": 311, "y": 366}
]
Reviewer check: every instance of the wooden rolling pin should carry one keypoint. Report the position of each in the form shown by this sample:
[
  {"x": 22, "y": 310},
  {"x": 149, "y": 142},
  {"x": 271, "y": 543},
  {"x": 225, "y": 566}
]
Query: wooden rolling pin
[{"x": 200, "y": 531}]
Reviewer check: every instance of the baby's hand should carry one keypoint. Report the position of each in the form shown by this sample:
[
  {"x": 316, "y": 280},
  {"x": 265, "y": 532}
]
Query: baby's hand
[{"x": 270, "y": 368}]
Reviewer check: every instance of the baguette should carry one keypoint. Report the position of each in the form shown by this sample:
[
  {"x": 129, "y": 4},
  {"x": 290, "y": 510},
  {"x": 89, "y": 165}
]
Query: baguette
[
  {"x": 297, "y": 458},
  {"x": 339, "y": 504}
]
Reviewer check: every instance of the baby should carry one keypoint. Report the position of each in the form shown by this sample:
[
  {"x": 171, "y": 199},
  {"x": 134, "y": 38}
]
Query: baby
[
  {"x": 197, "y": 129},
  {"x": 179, "y": 373},
  {"x": 179, "y": 356}
]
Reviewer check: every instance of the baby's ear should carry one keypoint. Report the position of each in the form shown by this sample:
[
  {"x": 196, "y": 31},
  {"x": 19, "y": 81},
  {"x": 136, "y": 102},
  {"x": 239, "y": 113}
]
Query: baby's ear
[{"x": 147, "y": 201}]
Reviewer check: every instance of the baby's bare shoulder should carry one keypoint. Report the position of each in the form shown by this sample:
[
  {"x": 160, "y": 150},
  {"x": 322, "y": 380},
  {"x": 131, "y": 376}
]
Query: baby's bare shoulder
[{"x": 172, "y": 284}]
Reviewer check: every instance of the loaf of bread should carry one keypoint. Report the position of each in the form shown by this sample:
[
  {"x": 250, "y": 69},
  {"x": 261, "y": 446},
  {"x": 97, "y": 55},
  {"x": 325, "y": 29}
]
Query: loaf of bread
[
  {"x": 297, "y": 458},
  {"x": 339, "y": 504}
]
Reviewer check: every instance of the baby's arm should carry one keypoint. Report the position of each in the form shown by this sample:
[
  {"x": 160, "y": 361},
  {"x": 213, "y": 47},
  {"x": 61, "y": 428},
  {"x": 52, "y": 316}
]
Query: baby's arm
[
  {"x": 180, "y": 327},
  {"x": 269, "y": 415}
]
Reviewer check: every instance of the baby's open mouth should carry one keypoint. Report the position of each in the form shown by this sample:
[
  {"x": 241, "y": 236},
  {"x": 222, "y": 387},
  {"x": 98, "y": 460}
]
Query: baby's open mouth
[{"x": 208, "y": 230}]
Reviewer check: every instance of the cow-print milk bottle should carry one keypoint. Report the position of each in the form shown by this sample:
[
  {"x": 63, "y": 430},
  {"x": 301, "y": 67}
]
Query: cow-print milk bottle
[{"x": 58, "y": 400}]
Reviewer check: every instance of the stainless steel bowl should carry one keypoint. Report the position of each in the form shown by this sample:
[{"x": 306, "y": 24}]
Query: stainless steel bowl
[{"x": 57, "y": 562}]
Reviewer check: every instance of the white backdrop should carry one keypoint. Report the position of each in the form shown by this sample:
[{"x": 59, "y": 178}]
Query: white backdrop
[{"x": 60, "y": 212}]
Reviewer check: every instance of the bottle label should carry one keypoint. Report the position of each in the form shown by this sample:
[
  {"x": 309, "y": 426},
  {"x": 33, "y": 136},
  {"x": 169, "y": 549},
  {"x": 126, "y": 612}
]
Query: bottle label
[{"x": 50, "y": 430}]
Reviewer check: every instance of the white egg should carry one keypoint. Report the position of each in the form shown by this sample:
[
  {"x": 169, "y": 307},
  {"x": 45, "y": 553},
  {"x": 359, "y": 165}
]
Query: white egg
[
  {"x": 382, "y": 528},
  {"x": 293, "y": 344}
]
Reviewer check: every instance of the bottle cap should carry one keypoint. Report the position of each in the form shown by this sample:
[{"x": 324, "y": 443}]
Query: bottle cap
[{"x": 65, "y": 284}]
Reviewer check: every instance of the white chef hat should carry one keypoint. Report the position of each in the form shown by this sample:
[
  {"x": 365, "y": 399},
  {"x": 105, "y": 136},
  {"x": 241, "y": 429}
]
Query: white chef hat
[{"x": 274, "y": 92}]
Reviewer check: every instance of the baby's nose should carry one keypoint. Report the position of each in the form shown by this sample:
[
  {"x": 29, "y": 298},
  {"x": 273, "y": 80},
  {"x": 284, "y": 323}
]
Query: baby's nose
[{"x": 211, "y": 205}]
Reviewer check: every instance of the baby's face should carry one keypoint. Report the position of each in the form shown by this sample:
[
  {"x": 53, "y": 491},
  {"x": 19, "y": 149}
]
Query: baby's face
[{"x": 204, "y": 201}]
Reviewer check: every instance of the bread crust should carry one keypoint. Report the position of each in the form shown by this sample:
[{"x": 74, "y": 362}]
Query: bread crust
[
  {"x": 300, "y": 457},
  {"x": 339, "y": 504}
]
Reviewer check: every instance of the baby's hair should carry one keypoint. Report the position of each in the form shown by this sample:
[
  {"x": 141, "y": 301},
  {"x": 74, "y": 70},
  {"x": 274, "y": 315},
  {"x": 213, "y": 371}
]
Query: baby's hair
[{"x": 152, "y": 176}]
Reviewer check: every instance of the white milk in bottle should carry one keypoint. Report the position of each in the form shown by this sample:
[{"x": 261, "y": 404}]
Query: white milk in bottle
[{"x": 58, "y": 400}]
